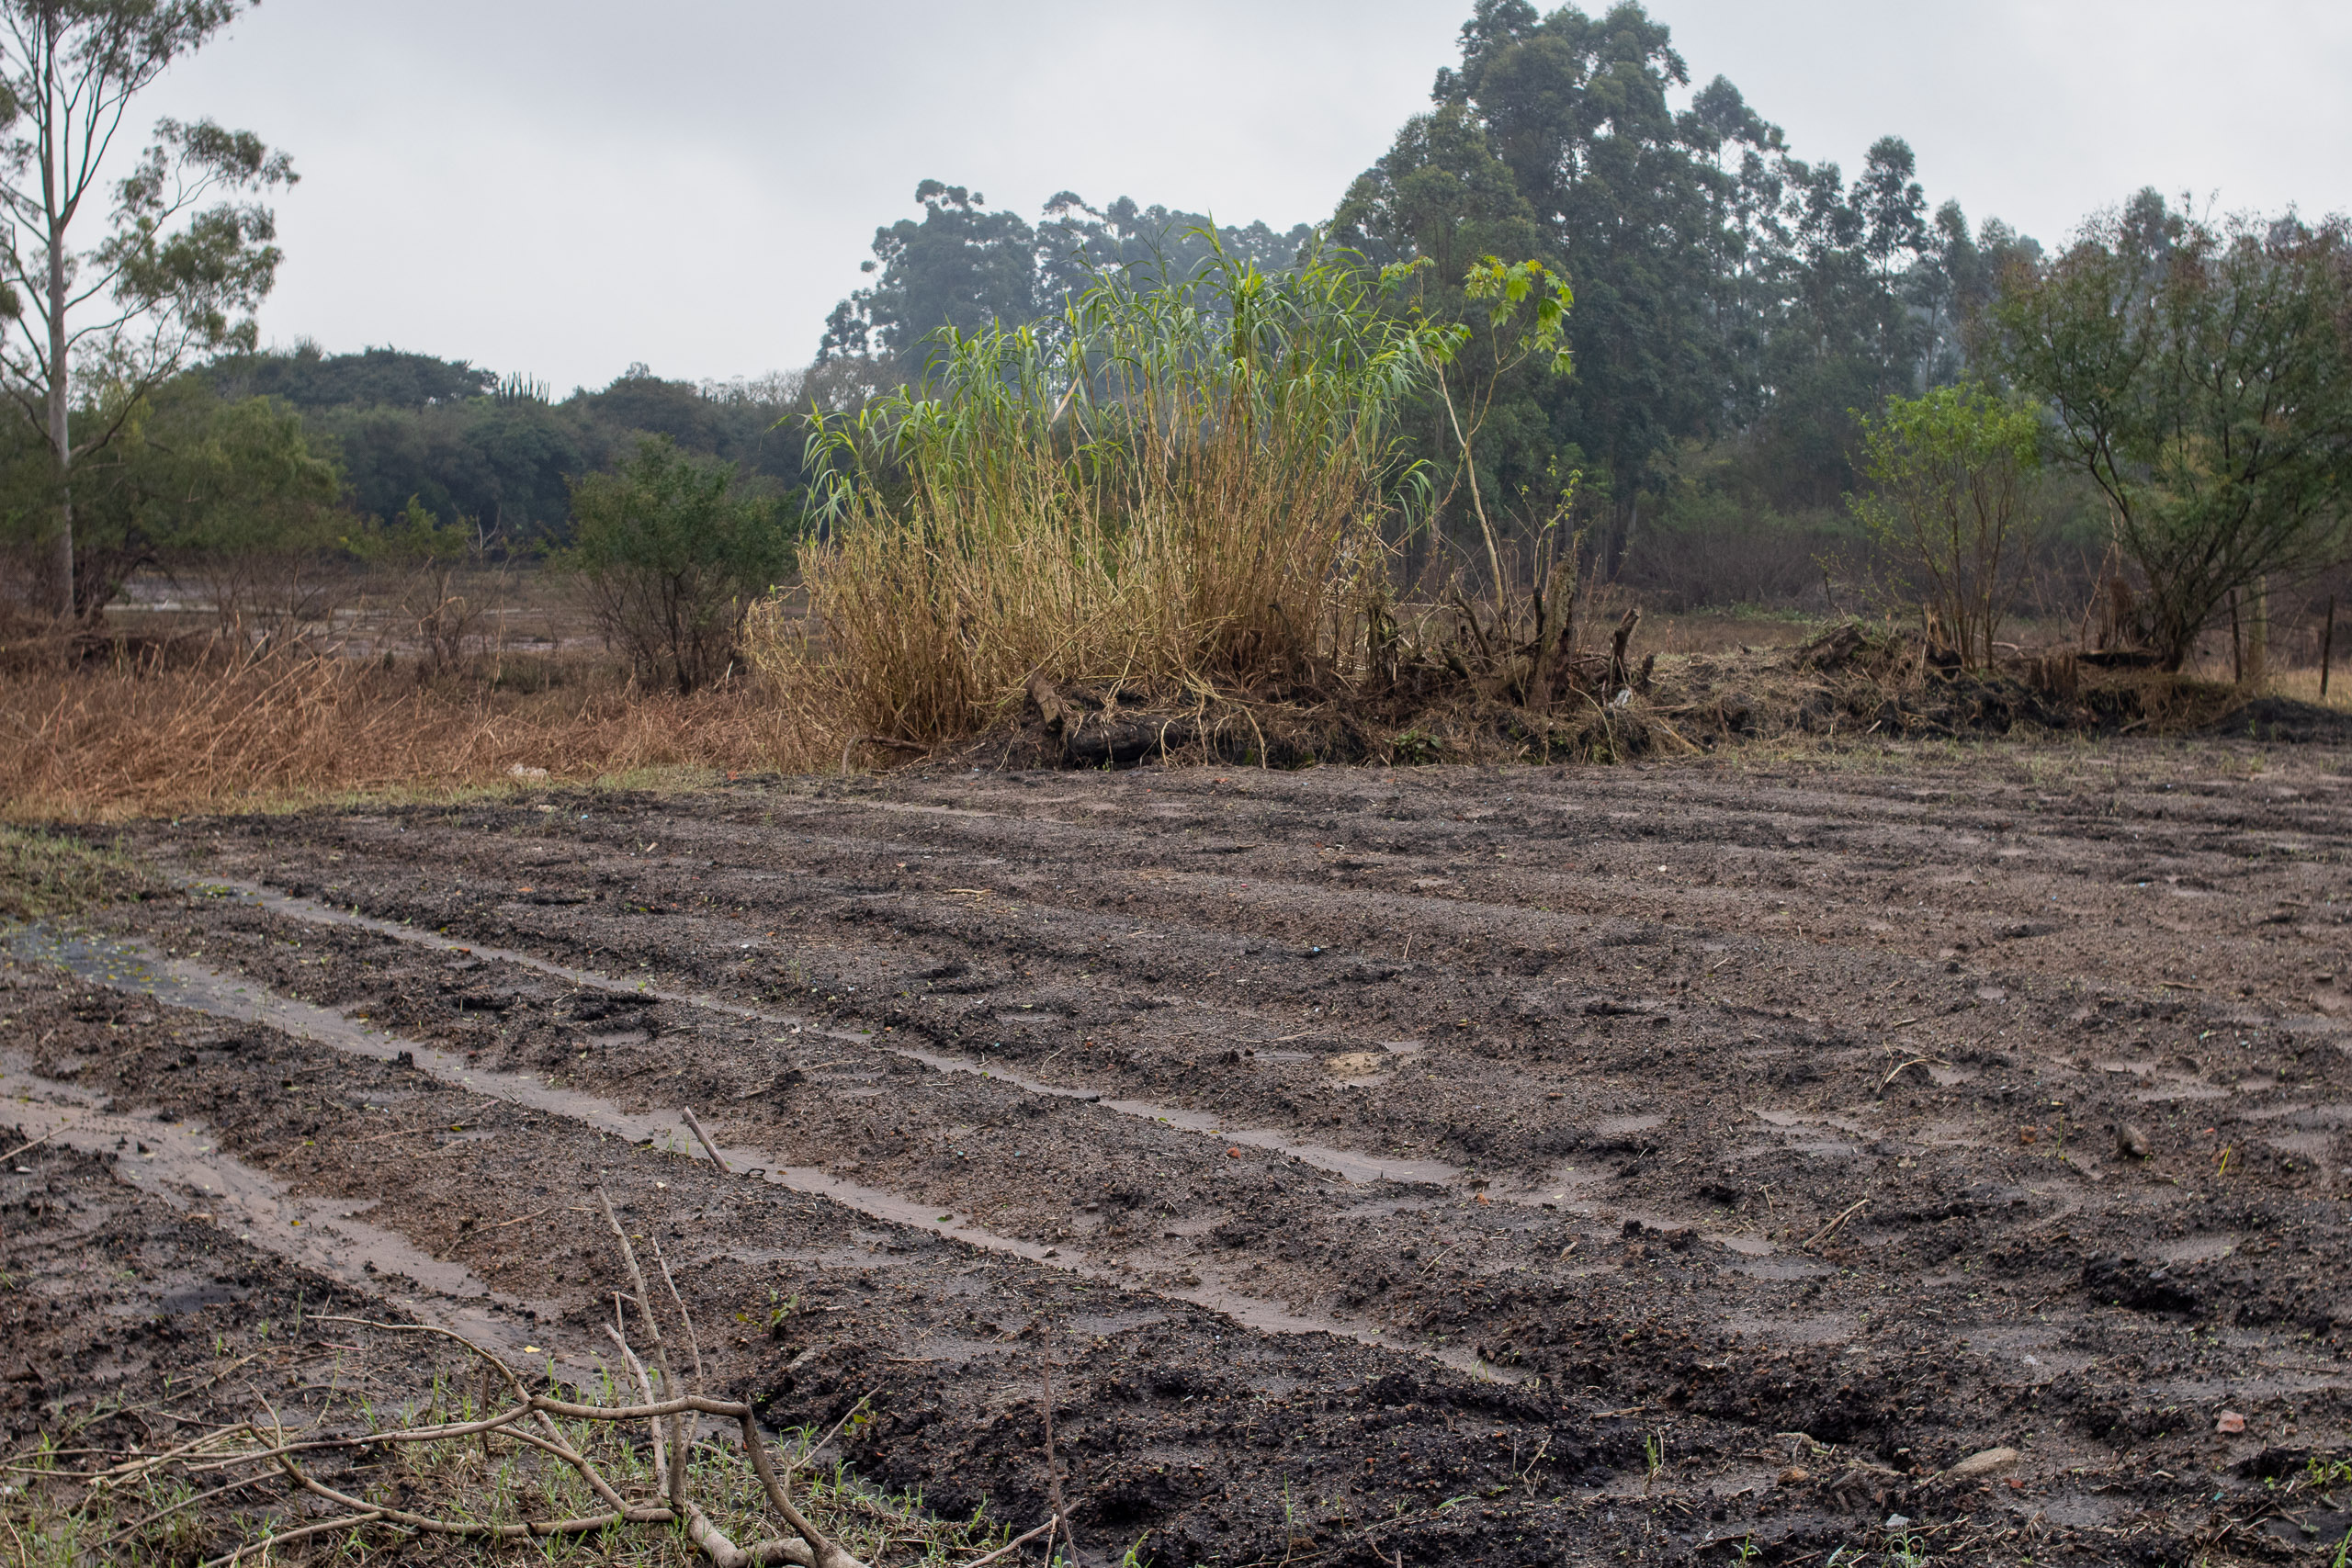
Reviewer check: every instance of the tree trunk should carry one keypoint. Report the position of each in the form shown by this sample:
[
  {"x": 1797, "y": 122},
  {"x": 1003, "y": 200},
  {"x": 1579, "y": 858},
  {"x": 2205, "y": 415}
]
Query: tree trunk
[
  {"x": 60, "y": 586},
  {"x": 2258, "y": 633}
]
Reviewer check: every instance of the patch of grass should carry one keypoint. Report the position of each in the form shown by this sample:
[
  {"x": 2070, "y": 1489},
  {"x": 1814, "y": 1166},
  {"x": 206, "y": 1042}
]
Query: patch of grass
[
  {"x": 47, "y": 876},
  {"x": 2302, "y": 685},
  {"x": 298, "y": 728},
  {"x": 55, "y": 1516}
]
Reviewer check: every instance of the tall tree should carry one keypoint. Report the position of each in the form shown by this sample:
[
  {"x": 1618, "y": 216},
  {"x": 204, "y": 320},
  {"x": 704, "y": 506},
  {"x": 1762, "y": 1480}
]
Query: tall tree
[
  {"x": 965, "y": 267},
  {"x": 962, "y": 267},
  {"x": 1730, "y": 298},
  {"x": 180, "y": 261},
  {"x": 2201, "y": 376},
  {"x": 1578, "y": 108},
  {"x": 1076, "y": 242}
]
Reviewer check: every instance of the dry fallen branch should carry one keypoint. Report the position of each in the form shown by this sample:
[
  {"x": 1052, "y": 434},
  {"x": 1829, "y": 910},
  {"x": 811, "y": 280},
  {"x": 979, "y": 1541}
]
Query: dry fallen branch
[
  {"x": 548, "y": 1467},
  {"x": 529, "y": 1421},
  {"x": 1016, "y": 1543},
  {"x": 1825, "y": 1231},
  {"x": 687, "y": 1113}
]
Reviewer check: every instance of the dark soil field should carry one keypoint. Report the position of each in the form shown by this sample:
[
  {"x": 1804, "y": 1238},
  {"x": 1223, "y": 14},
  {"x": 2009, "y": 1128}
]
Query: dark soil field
[{"x": 1933, "y": 1150}]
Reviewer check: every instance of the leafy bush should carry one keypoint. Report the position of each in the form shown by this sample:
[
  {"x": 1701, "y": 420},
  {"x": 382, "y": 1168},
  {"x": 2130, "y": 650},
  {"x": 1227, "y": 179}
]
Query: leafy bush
[
  {"x": 2201, "y": 376},
  {"x": 1953, "y": 503},
  {"x": 670, "y": 556},
  {"x": 228, "y": 497}
]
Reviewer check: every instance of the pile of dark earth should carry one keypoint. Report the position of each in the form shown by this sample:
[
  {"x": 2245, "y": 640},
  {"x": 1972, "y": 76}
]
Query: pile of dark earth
[{"x": 1443, "y": 1165}]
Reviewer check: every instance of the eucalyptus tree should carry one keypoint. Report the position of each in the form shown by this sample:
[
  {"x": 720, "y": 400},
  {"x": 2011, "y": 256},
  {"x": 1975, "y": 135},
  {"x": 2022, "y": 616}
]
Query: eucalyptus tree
[
  {"x": 962, "y": 267},
  {"x": 119, "y": 263},
  {"x": 965, "y": 268}
]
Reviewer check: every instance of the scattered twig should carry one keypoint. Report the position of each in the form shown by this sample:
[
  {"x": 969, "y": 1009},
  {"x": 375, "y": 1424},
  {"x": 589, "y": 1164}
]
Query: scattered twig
[
  {"x": 36, "y": 1142},
  {"x": 694, "y": 1343},
  {"x": 1015, "y": 1544},
  {"x": 1825, "y": 1231},
  {"x": 710, "y": 1147},
  {"x": 1914, "y": 1062},
  {"x": 1053, "y": 1470},
  {"x": 521, "y": 1220},
  {"x": 835, "y": 1431},
  {"x": 660, "y": 1351},
  {"x": 126, "y": 1532},
  {"x": 323, "y": 1525}
]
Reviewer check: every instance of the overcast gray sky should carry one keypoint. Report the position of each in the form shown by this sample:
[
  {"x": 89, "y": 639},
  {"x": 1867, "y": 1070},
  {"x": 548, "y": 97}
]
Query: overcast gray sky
[{"x": 562, "y": 187}]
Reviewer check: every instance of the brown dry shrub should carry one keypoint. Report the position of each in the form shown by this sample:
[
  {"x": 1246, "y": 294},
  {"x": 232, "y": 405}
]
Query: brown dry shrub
[{"x": 137, "y": 739}]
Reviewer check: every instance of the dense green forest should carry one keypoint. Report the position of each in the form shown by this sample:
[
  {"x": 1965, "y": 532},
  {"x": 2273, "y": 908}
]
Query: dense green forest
[
  {"x": 1734, "y": 303},
  {"x": 467, "y": 443},
  {"x": 1740, "y": 314}
]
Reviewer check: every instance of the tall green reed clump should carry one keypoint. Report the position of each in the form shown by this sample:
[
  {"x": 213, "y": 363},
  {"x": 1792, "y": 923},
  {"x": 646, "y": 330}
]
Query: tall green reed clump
[{"x": 1176, "y": 485}]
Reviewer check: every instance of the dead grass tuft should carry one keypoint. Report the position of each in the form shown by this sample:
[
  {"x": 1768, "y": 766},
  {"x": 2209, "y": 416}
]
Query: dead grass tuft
[
  {"x": 140, "y": 738},
  {"x": 1182, "y": 485}
]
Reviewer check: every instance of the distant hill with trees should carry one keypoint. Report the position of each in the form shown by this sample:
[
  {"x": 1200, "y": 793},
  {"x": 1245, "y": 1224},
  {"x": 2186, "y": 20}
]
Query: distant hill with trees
[{"x": 467, "y": 443}]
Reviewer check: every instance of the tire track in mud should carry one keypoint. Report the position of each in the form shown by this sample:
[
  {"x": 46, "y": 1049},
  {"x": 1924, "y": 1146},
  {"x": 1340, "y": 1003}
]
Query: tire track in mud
[
  {"x": 1314, "y": 1211},
  {"x": 1671, "y": 1027},
  {"x": 182, "y": 1164},
  {"x": 1208, "y": 1435},
  {"x": 133, "y": 967},
  {"x": 1351, "y": 1166}
]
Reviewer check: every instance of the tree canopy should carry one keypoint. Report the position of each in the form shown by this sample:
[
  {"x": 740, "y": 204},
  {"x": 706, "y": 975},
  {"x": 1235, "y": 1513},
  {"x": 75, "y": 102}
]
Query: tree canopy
[
  {"x": 1728, "y": 293},
  {"x": 2201, "y": 376},
  {"x": 182, "y": 255},
  {"x": 964, "y": 267},
  {"x": 466, "y": 443}
]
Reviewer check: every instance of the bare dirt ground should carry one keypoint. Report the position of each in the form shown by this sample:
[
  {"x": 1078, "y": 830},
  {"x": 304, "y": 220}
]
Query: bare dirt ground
[{"x": 1486, "y": 1165}]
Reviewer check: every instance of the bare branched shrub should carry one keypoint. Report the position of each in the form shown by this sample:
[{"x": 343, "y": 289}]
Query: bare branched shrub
[
  {"x": 1955, "y": 505},
  {"x": 425, "y": 557}
]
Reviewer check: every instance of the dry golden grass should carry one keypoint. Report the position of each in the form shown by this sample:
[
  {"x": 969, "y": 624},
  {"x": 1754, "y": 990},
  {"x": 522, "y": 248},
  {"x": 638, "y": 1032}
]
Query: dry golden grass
[
  {"x": 1180, "y": 489},
  {"x": 2302, "y": 685},
  {"x": 98, "y": 745}
]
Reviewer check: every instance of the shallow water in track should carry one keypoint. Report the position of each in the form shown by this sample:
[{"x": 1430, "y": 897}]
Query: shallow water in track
[{"x": 135, "y": 967}]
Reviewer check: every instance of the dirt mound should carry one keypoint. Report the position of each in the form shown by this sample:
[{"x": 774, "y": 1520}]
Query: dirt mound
[
  {"x": 1851, "y": 681},
  {"x": 2283, "y": 718}
]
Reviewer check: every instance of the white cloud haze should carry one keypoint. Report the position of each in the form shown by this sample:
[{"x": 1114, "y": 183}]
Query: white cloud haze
[{"x": 562, "y": 186}]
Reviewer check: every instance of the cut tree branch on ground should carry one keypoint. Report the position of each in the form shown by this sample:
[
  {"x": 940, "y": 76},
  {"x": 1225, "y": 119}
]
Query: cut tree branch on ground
[{"x": 528, "y": 1421}]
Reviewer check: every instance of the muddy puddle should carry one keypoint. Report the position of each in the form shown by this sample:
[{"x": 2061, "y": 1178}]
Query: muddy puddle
[
  {"x": 1347, "y": 1163},
  {"x": 134, "y": 967},
  {"x": 179, "y": 1163}
]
